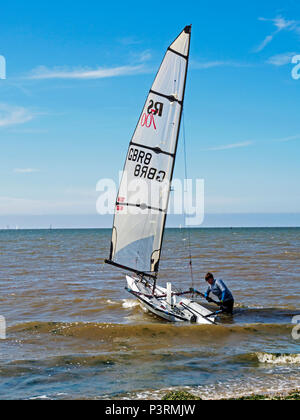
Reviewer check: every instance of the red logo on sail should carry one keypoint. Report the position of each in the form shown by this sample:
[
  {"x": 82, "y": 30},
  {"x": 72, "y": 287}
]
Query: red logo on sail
[
  {"x": 148, "y": 119},
  {"x": 120, "y": 201}
]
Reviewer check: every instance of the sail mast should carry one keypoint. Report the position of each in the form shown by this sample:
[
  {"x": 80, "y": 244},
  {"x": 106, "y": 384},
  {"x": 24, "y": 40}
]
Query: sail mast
[
  {"x": 143, "y": 198},
  {"x": 187, "y": 29}
]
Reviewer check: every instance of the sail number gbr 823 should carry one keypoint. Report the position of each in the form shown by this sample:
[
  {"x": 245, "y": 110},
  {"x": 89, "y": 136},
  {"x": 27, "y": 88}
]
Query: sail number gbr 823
[{"x": 143, "y": 168}]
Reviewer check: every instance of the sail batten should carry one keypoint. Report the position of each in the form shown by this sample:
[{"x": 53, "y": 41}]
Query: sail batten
[
  {"x": 178, "y": 53},
  {"x": 142, "y": 202},
  {"x": 155, "y": 149},
  {"x": 141, "y": 206}
]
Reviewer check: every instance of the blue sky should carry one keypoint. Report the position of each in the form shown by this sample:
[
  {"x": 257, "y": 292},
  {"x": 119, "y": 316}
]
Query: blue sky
[{"x": 77, "y": 77}]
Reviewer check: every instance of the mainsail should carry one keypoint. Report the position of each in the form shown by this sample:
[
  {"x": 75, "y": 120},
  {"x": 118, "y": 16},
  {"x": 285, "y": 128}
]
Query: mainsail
[{"x": 142, "y": 202}]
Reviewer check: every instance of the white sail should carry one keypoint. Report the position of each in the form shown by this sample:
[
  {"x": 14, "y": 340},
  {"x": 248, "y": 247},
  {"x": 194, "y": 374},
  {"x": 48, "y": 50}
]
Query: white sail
[{"x": 143, "y": 197}]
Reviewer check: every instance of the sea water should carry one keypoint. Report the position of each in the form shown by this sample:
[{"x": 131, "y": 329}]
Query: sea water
[{"x": 72, "y": 331}]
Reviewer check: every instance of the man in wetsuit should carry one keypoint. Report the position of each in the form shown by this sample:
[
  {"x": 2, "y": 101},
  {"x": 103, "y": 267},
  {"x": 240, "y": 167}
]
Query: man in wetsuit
[{"x": 219, "y": 289}]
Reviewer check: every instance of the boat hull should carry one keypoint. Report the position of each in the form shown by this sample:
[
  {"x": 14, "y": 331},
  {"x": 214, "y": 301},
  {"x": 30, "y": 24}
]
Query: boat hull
[{"x": 181, "y": 309}]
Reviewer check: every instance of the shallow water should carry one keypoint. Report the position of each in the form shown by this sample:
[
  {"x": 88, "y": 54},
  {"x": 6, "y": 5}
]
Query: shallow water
[{"x": 74, "y": 332}]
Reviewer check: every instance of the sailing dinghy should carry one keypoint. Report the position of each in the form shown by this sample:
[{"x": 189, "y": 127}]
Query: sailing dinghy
[{"x": 143, "y": 198}]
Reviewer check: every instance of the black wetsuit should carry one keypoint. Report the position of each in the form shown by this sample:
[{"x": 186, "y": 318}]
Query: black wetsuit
[{"x": 219, "y": 289}]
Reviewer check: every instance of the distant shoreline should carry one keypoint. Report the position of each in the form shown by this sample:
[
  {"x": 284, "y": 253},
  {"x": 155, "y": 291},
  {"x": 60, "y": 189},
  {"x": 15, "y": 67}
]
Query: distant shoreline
[
  {"x": 168, "y": 228},
  {"x": 94, "y": 221}
]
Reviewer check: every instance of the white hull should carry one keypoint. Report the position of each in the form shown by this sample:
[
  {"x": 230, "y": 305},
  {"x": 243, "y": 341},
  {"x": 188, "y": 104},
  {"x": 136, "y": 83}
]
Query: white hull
[{"x": 181, "y": 309}]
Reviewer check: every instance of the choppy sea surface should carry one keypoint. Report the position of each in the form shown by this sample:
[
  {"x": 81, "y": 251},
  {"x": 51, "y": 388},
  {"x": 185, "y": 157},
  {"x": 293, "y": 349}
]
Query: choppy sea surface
[{"x": 74, "y": 332}]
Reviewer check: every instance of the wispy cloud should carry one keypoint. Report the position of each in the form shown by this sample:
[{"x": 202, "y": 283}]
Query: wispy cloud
[
  {"x": 250, "y": 143},
  {"x": 229, "y": 146},
  {"x": 286, "y": 139},
  {"x": 129, "y": 40},
  {"x": 281, "y": 59},
  {"x": 280, "y": 24},
  {"x": 265, "y": 42},
  {"x": 42, "y": 72},
  {"x": 26, "y": 170},
  {"x": 81, "y": 192},
  {"x": 25, "y": 206},
  {"x": 12, "y": 115},
  {"x": 27, "y": 130},
  {"x": 138, "y": 58},
  {"x": 199, "y": 65},
  {"x": 145, "y": 56}
]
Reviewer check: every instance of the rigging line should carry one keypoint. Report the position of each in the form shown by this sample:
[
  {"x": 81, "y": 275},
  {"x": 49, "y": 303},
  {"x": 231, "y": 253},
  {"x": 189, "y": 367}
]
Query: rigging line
[{"x": 186, "y": 177}]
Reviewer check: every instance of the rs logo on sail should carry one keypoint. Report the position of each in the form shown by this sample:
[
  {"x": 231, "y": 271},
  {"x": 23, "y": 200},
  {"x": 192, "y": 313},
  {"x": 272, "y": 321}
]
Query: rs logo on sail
[{"x": 155, "y": 108}]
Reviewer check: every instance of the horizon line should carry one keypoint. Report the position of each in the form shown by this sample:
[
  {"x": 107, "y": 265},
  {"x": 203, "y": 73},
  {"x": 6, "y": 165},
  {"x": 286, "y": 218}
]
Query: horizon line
[{"x": 167, "y": 228}]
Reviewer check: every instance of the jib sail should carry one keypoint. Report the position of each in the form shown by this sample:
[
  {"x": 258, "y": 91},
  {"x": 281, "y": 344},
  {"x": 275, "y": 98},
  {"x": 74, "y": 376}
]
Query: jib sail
[{"x": 142, "y": 202}]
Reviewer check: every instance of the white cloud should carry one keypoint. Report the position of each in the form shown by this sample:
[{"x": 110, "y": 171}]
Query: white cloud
[
  {"x": 265, "y": 42},
  {"x": 27, "y": 131},
  {"x": 291, "y": 138},
  {"x": 248, "y": 143},
  {"x": 26, "y": 170},
  {"x": 206, "y": 64},
  {"x": 281, "y": 59},
  {"x": 82, "y": 192},
  {"x": 145, "y": 56},
  {"x": 280, "y": 24},
  {"x": 25, "y": 206},
  {"x": 138, "y": 58},
  {"x": 129, "y": 40},
  {"x": 42, "y": 72},
  {"x": 230, "y": 146},
  {"x": 199, "y": 65},
  {"x": 12, "y": 115}
]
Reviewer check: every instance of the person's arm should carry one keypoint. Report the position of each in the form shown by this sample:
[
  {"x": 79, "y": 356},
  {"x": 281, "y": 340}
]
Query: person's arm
[
  {"x": 207, "y": 293},
  {"x": 222, "y": 287}
]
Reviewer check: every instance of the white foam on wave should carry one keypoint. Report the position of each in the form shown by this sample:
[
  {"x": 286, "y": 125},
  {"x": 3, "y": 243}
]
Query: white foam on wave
[
  {"x": 228, "y": 389},
  {"x": 111, "y": 302},
  {"x": 40, "y": 397},
  {"x": 272, "y": 382},
  {"x": 129, "y": 303},
  {"x": 278, "y": 359}
]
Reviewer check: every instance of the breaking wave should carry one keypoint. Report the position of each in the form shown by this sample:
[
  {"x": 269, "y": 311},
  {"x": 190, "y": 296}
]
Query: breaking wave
[
  {"x": 278, "y": 358},
  {"x": 130, "y": 303},
  {"x": 164, "y": 331}
]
